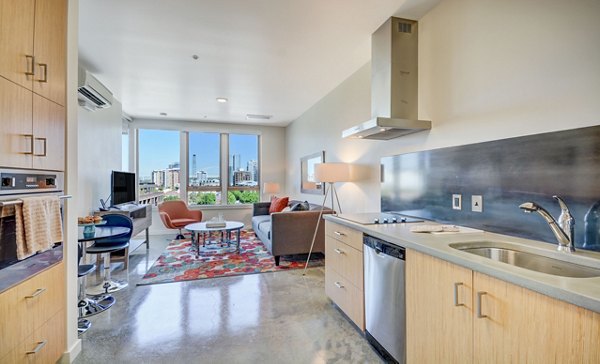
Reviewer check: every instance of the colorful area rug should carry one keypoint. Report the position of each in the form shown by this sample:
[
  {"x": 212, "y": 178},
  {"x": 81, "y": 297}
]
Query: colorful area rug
[{"x": 179, "y": 263}]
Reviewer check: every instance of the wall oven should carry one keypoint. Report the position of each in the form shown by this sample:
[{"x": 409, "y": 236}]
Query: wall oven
[{"x": 14, "y": 185}]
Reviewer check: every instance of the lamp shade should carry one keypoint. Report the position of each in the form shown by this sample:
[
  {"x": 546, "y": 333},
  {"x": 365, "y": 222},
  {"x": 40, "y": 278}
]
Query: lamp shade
[
  {"x": 333, "y": 172},
  {"x": 271, "y": 187}
]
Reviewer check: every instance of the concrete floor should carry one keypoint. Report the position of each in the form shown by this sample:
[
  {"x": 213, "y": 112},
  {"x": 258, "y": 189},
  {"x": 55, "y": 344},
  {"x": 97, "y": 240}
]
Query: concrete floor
[{"x": 279, "y": 317}]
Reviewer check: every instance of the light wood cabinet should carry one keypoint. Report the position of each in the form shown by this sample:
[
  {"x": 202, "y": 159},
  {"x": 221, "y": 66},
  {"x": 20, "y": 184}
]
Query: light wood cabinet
[
  {"x": 50, "y": 44},
  {"x": 33, "y": 45},
  {"x": 32, "y": 129},
  {"x": 16, "y": 128},
  {"x": 16, "y": 41},
  {"x": 439, "y": 311},
  {"x": 49, "y": 134},
  {"x": 522, "y": 326},
  {"x": 495, "y": 322},
  {"x": 344, "y": 271},
  {"x": 33, "y": 313}
]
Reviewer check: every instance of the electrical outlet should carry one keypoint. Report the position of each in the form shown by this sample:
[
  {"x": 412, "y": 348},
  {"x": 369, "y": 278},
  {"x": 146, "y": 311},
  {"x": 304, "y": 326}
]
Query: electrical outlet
[
  {"x": 457, "y": 201},
  {"x": 477, "y": 203}
]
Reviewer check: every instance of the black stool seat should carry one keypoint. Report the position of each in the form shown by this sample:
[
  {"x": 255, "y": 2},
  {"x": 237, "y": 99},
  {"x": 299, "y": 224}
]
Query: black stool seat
[
  {"x": 85, "y": 269},
  {"x": 106, "y": 248}
]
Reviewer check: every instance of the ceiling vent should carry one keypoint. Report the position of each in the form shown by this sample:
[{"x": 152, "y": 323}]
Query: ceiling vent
[
  {"x": 258, "y": 117},
  {"x": 394, "y": 83},
  {"x": 91, "y": 93}
]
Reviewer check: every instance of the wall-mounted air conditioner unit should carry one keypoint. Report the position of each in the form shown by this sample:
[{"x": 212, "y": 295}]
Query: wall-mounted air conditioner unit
[{"x": 92, "y": 94}]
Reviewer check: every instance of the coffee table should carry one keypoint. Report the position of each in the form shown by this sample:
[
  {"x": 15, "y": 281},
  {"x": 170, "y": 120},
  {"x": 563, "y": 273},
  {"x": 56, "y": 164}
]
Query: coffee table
[{"x": 199, "y": 228}]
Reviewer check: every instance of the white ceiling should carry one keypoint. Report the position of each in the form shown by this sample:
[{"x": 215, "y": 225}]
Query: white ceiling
[{"x": 270, "y": 57}]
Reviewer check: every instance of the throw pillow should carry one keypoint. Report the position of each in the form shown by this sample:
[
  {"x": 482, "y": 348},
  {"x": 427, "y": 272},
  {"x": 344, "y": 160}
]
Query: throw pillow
[
  {"x": 301, "y": 206},
  {"x": 278, "y": 204}
]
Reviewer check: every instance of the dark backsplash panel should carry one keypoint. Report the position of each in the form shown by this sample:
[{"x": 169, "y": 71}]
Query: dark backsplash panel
[{"x": 507, "y": 173}]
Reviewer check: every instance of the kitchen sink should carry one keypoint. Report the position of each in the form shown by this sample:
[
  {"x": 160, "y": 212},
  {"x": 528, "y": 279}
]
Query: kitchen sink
[{"x": 518, "y": 256}]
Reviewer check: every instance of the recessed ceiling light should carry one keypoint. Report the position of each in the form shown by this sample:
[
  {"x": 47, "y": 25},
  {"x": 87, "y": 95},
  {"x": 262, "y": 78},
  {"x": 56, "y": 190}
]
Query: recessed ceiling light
[
  {"x": 163, "y": 114},
  {"x": 195, "y": 56},
  {"x": 221, "y": 100},
  {"x": 382, "y": 129}
]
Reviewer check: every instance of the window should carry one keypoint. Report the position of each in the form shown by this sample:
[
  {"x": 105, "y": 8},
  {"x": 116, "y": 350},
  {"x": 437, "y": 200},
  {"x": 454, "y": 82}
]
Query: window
[
  {"x": 204, "y": 171},
  {"x": 243, "y": 176},
  {"x": 159, "y": 172}
]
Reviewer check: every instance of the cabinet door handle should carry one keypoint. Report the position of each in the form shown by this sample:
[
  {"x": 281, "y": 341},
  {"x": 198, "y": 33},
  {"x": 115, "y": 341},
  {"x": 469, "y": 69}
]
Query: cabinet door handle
[
  {"x": 339, "y": 285},
  {"x": 456, "y": 285},
  {"x": 31, "y": 142},
  {"x": 339, "y": 233},
  {"x": 30, "y": 65},
  {"x": 339, "y": 251},
  {"x": 44, "y": 66},
  {"x": 479, "y": 314},
  {"x": 37, "y": 292},
  {"x": 45, "y": 140},
  {"x": 40, "y": 346}
]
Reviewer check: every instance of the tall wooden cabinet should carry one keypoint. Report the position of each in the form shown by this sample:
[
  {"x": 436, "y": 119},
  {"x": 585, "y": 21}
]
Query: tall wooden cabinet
[
  {"x": 32, "y": 83},
  {"x": 344, "y": 270},
  {"x": 455, "y": 315},
  {"x": 33, "y": 45}
]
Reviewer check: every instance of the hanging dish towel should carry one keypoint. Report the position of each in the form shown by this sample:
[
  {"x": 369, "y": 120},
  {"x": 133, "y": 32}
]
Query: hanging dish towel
[{"x": 39, "y": 225}]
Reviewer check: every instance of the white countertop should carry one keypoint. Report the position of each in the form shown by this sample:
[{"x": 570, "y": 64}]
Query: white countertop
[{"x": 583, "y": 292}]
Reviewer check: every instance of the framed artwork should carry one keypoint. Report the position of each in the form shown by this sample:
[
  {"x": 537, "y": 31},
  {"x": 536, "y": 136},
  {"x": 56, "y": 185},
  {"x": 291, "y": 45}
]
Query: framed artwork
[{"x": 307, "y": 174}]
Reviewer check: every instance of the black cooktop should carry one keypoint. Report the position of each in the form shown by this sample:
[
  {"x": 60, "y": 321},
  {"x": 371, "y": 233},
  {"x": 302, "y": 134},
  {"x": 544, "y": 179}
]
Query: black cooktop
[{"x": 373, "y": 218}]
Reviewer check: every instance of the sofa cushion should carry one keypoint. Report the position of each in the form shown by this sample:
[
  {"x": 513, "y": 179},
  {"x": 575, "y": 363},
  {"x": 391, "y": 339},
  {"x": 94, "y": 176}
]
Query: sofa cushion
[
  {"x": 278, "y": 204},
  {"x": 182, "y": 222}
]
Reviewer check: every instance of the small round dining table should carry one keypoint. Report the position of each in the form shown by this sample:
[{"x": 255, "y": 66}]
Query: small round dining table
[{"x": 89, "y": 306}]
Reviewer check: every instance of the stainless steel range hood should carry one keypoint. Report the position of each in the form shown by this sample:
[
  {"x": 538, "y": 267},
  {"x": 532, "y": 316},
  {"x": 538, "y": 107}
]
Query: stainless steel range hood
[{"x": 394, "y": 83}]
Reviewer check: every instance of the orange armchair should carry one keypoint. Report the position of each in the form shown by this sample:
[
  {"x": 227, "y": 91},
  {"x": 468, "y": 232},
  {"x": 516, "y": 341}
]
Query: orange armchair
[{"x": 176, "y": 215}]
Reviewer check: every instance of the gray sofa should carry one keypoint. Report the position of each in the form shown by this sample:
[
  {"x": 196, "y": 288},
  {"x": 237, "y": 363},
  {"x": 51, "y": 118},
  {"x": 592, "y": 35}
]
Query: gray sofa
[{"x": 291, "y": 232}]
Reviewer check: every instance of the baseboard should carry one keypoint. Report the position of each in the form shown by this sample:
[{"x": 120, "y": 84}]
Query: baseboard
[{"x": 69, "y": 356}]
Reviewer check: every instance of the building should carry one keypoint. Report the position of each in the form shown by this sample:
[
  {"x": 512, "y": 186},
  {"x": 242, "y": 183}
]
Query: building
[
  {"x": 158, "y": 178},
  {"x": 239, "y": 177},
  {"x": 172, "y": 178},
  {"x": 252, "y": 167}
]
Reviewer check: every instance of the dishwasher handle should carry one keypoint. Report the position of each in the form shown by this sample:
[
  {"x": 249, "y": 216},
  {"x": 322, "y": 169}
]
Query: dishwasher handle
[{"x": 383, "y": 248}]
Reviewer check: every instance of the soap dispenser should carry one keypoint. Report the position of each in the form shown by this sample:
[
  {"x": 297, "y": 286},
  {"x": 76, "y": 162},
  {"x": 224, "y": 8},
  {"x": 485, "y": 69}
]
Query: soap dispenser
[{"x": 592, "y": 228}]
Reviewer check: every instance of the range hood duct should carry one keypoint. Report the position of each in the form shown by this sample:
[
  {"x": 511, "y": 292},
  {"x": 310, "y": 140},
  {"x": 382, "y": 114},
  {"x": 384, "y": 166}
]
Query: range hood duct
[{"x": 394, "y": 83}]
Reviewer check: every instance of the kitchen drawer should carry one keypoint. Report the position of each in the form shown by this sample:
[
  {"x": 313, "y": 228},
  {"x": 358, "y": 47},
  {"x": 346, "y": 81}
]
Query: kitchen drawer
[
  {"x": 45, "y": 346},
  {"x": 43, "y": 296},
  {"x": 345, "y": 260},
  {"x": 348, "y": 298},
  {"x": 29, "y": 305},
  {"x": 12, "y": 331},
  {"x": 344, "y": 234}
]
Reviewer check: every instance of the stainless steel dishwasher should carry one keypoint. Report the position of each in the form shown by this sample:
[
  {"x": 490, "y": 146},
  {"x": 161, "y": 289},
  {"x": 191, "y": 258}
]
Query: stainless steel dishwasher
[{"x": 385, "y": 314}]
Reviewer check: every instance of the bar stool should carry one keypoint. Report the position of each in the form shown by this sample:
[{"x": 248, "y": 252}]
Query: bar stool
[
  {"x": 89, "y": 306},
  {"x": 107, "y": 246}
]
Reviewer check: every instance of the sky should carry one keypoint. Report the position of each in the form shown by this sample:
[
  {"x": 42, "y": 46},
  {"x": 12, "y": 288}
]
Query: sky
[{"x": 159, "y": 148}]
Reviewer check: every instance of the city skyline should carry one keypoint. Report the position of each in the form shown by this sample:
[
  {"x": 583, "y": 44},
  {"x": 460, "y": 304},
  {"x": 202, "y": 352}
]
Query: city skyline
[{"x": 155, "y": 159}]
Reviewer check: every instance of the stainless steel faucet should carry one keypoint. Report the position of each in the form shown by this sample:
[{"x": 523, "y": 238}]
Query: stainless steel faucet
[{"x": 564, "y": 229}]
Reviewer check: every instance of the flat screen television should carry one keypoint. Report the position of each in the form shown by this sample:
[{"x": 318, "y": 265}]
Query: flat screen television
[{"x": 122, "y": 187}]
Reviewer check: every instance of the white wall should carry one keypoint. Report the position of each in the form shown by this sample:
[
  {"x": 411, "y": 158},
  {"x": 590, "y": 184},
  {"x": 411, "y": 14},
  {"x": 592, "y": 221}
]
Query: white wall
[
  {"x": 99, "y": 149},
  {"x": 272, "y": 167},
  {"x": 487, "y": 70}
]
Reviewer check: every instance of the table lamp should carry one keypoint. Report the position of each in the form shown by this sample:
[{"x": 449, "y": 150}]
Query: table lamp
[{"x": 271, "y": 188}]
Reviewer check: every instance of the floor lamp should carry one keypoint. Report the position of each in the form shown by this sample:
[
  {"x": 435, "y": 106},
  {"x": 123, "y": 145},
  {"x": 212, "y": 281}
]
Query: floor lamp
[{"x": 329, "y": 173}]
